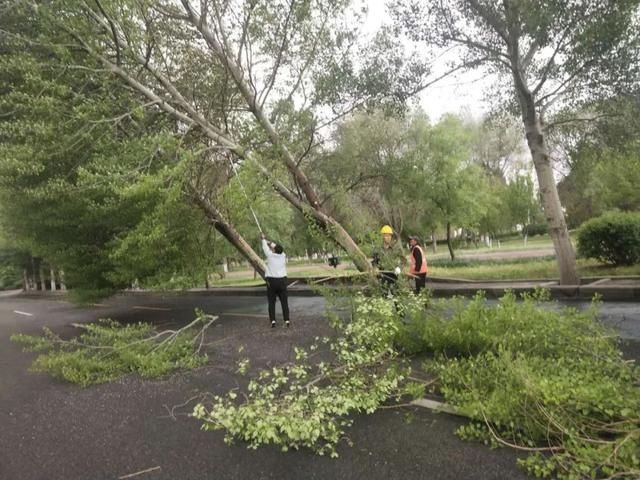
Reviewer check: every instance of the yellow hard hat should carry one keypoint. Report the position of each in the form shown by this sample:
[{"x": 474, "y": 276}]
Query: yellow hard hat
[{"x": 386, "y": 229}]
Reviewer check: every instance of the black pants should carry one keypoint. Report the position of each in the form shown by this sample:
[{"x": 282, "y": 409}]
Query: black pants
[
  {"x": 388, "y": 282},
  {"x": 421, "y": 280},
  {"x": 277, "y": 287}
]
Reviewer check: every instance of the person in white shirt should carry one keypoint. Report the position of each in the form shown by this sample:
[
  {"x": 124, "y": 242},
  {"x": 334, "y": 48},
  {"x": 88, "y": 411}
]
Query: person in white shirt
[{"x": 276, "y": 279}]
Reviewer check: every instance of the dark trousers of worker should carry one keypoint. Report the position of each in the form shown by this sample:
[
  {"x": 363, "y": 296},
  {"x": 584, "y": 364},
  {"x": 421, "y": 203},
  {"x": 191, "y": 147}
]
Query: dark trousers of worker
[
  {"x": 421, "y": 281},
  {"x": 277, "y": 288},
  {"x": 388, "y": 282}
]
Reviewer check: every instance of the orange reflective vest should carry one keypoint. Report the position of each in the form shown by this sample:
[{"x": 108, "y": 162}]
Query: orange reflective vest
[{"x": 412, "y": 260}]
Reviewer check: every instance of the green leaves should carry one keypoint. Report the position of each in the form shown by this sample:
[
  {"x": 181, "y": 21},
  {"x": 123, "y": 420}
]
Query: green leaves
[
  {"x": 533, "y": 376},
  {"x": 306, "y": 405},
  {"x": 613, "y": 238},
  {"x": 107, "y": 350}
]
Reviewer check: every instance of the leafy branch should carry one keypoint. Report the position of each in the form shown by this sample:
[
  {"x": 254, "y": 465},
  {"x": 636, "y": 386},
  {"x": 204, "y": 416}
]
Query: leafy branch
[{"x": 108, "y": 350}]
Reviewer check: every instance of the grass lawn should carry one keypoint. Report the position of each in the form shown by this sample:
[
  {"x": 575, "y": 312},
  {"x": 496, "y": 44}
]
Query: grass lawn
[
  {"x": 509, "y": 245},
  {"x": 512, "y": 269},
  {"x": 523, "y": 269}
]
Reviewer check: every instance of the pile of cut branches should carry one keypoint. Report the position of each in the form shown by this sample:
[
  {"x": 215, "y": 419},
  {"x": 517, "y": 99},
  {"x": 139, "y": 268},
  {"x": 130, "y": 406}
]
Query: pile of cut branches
[{"x": 108, "y": 350}]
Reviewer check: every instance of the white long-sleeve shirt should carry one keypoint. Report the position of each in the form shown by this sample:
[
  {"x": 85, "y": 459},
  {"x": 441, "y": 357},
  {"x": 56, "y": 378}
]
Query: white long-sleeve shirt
[{"x": 276, "y": 262}]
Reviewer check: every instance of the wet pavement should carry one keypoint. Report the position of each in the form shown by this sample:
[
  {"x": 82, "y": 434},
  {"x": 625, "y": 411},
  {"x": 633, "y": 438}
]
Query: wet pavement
[{"x": 51, "y": 430}]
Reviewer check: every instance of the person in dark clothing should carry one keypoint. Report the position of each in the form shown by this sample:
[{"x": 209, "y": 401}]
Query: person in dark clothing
[
  {"x": 276, "y": 279},
  {"x": 388, "y": 260},
  {"x": 418, "y": 264}
]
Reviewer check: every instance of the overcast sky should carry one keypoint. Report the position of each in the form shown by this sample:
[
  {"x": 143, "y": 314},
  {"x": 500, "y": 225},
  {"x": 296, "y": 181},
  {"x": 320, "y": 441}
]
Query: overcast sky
[{"x": 455, "y": 94}]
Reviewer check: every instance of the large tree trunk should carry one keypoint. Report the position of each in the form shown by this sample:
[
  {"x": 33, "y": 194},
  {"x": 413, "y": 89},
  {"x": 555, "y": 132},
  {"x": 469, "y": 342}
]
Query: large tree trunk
[
  {"x": 228, "y": 232},
  {"x": 565, "y": 255},
  {"x": 63, "y": 286},
  {"x": 32, "y": 275},
  {"x": 453, "y": 256},
  {"x": 330, "y": 225},
  {"x": 43, "y": 281}
]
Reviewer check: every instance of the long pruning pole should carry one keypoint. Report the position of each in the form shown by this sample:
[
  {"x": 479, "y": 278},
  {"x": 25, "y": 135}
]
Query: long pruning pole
[{"x": 244, "y": 191}]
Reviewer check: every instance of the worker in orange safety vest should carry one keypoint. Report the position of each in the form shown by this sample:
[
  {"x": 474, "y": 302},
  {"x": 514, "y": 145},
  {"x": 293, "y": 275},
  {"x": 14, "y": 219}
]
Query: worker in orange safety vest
[{"x": 417, "y": 264}]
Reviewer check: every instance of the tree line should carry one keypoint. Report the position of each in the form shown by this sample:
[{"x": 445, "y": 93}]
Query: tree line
[{"x": 135, "y": 134}]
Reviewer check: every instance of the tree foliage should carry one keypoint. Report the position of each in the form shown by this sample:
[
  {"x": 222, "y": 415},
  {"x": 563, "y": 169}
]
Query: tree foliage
[
  {"x": 612, "y": 238},
  {"x": 307, "y": 404},
  {"x": 602, "y": 155},
  {"x": 85, "y": 171},
  {"x": 547, "y": 382},
  {"x": 108, "y": 350},
  {"x": 552, "y": 53}
]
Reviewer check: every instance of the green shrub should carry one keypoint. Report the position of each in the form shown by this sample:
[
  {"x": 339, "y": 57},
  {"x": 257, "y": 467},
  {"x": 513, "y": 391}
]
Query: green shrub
[
  {"x": 11, "y": 262},
  {"x": 612, "y": 238},
  {"x": 537, "y": 229}
]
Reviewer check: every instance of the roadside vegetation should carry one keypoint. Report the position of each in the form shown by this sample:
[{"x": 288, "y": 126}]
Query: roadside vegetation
[
  {"x": 506, "y": 269},
  {"x": 546, "y": 381},
  {"x": 529, "y": 375}
]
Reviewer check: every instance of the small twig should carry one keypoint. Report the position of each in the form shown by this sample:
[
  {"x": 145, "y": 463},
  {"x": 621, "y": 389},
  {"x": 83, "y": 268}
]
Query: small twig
[
  {"x": 421, "y": 380},
  {"x": 172, "y": 415},
  {"x": 141, "y": 472},
  {"x": 399, "y": 405},
  {"x": 517, "y": 447}
]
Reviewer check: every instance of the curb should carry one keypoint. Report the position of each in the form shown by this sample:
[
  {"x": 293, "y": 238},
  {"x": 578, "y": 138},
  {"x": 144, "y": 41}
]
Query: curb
[{"x": 629, "y": 292}]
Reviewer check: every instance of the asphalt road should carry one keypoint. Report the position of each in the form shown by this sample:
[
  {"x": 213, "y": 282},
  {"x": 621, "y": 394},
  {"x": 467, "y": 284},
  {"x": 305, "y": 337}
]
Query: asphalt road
[{"x": 50, "y": 430}]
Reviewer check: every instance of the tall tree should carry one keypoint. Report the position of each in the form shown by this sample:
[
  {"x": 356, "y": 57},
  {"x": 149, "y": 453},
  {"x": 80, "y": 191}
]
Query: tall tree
[
  {"x": 552, "y": 51},
  {"x": 84, "y": 168},
  {"x": 231, "y": 71},
  {"x": 410, "y": 173},
  {"x": 452, "y": 187}
]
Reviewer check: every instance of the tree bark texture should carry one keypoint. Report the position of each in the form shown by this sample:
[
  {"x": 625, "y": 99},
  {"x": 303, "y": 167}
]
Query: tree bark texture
[
  {"x": 218, "y": 221},
  {"x": 25, "y": 280},
  {"x": 451, "y": 253},
  {"x": 565, "y": 255}
]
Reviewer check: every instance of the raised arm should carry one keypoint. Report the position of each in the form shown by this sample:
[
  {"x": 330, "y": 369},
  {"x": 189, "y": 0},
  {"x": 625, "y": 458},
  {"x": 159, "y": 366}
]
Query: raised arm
[{"x": 265, "y": 247}]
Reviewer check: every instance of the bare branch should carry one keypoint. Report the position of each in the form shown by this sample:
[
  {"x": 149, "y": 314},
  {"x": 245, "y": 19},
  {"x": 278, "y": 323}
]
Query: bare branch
[
  {"x": 564, "y": 84},
  {"x": 528, "y": 57},
  {"x": 310, "y": 59},
  {"x": 262, "y": 97},
  {"x": 169, "y": 12},
  {"x": 550, "y": 62},
  {"x": 592, "y": 118},
  {"x": 113, "y": 31},
  {"x": 465, "y": 40},
  {"x": 484, "y": 12},
  {"x": 245, "y": 31},
  {"x": 128, "y": 114}
]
